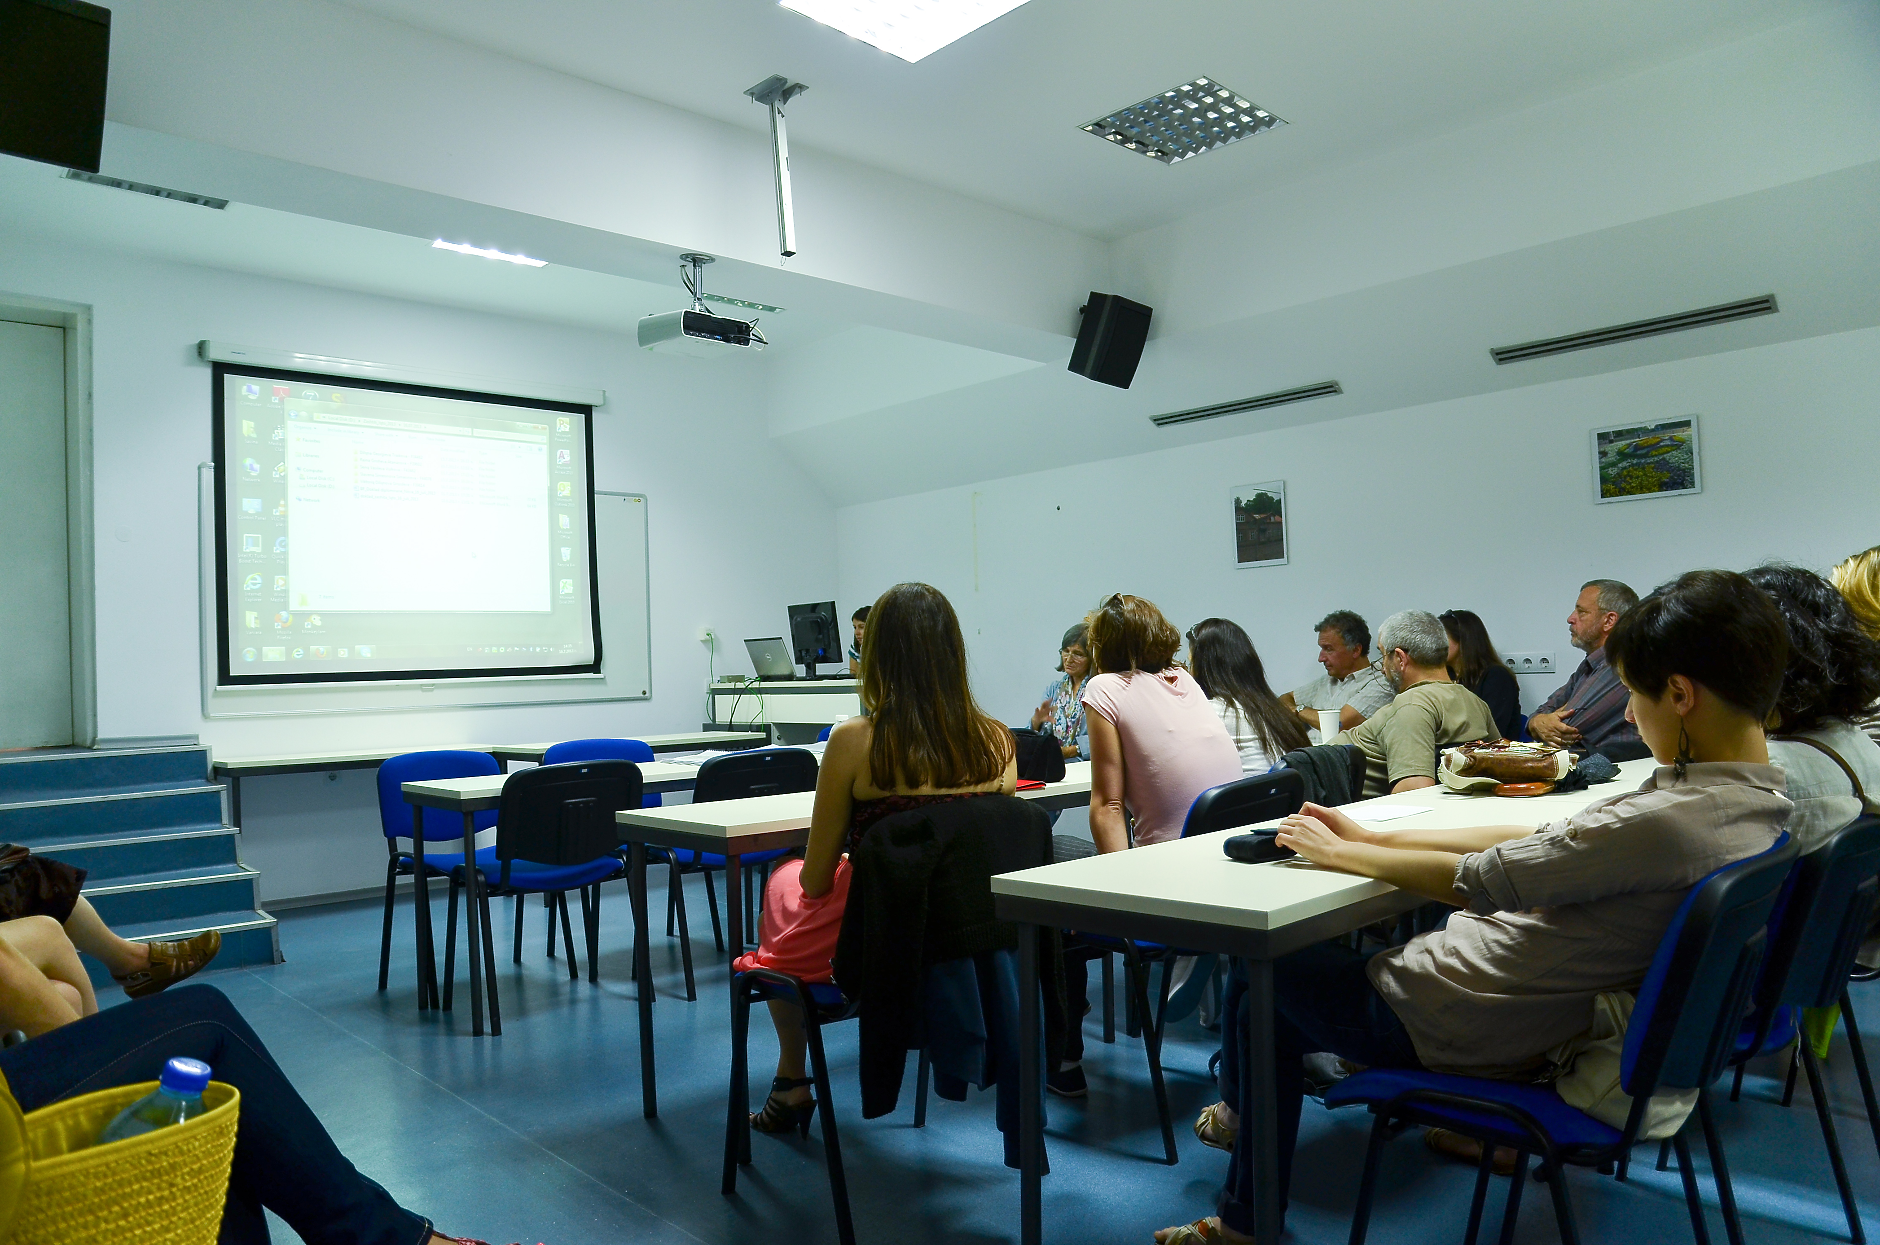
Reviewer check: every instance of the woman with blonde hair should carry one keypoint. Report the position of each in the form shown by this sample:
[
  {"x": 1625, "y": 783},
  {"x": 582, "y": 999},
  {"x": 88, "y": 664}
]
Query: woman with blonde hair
[
  {"x": 922, "y": 740},
  {"x": 1858, "y": 578}
]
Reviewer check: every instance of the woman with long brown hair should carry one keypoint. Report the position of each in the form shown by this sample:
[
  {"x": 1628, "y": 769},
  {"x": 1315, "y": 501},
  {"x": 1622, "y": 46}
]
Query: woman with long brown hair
[
  {"x": 922, "y": 740},
  {"x": 1224, "y": 662},
  {"x": 1474, "y": 664}
]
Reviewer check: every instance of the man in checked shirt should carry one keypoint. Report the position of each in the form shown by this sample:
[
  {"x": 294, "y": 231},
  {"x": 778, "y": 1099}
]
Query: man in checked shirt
[{"x": 1587, "y": 712}]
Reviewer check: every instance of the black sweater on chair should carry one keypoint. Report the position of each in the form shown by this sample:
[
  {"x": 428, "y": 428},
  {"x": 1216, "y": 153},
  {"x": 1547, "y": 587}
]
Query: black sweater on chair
[{"x": 920, "y": 895}]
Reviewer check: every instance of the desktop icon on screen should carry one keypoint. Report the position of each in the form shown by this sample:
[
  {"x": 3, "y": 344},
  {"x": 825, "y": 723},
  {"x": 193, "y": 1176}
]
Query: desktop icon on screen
[
  {"x": 251, "y": 505},
  {"x": 567, "y": 554},
  {"x": 342, "y": 652},
  {"x": 250, "y": 467},
  {"x": 252, "y": 583},
  {"x": 248, "y": 654},
  {"x": 251, "y": 391},
  {"x": 280, "y": 508},
  {"x": 280, "y": 583},
  {"x": 363, "y": 650},
  {"x": 251, "y": 542},
  {"x": 563, "y": 423},
  {"x": 283, "y": 620},
  {"x": 280, "y": 391},
  {"x": 318, "y": 652},
  {"x": 279, "y": 434},
  {"x": 248, "y": 428},
  {"x": 273, "y": 654},
  {"x": 313, "y": 620},
  {"x": 563, "y": 521},
  {"x": 280, "y": 544},
  {"x": 298, "y": 654},
  {"x": 563, "y": 458},
  {"x": 567, "y": 587},
  {"x": 564, "y": 488},
  {"x": 251, "y": 619},
  {"x": 280, "y": 471}
]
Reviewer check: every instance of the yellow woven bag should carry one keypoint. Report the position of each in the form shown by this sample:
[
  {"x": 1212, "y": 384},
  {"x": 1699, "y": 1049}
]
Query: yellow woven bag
[{"x": 166, "y": 1187}]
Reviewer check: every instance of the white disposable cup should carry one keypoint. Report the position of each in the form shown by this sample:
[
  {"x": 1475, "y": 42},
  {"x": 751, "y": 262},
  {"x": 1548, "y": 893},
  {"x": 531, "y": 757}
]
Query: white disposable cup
[{"x": 1328, "y": 725}]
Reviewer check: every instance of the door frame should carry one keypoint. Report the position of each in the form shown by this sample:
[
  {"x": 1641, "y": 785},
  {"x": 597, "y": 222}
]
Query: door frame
[{"x": 81, "y": 580}]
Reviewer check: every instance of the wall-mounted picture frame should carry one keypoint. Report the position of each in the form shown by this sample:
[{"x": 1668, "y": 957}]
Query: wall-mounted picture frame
[
  {"x": 1260, "y": 524},
  {"x": 1634, "y": 461}
]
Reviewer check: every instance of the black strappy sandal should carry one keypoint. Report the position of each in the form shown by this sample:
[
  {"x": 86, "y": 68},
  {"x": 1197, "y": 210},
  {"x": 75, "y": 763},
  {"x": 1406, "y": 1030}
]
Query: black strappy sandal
[{"x": 782, "y": 1117}]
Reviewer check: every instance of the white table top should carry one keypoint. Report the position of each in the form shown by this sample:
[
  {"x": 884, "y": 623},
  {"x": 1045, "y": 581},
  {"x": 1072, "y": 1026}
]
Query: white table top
[
  {"x": 772, "y": 814},
  {"x": 1191, "y": 879},
  {"x": 672, "y": 742},
  {"x": 351, "y": 758},
  {"x": 486, "y": 789}
]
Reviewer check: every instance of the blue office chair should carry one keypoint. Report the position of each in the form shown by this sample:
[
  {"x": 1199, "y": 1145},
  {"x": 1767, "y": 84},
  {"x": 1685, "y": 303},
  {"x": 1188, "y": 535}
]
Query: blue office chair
[
  {"x": 1813, "y": 939},
  {"x": 1682, "y": 1031},
  {"x": 738, "y": 776},
  {"x": 395, "y": 818},
  {"x": 555, "y": 833},
  {"x": 1244, "y": 802},
  {"x": 823, "y": 736}
]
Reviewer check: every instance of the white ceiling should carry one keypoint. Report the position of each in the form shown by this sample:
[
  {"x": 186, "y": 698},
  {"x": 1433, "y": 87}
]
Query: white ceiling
[{"x": 995, "y": 116}]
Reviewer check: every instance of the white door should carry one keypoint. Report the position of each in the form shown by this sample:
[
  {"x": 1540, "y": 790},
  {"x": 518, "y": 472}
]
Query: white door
[{"x": 35, "y": 587}]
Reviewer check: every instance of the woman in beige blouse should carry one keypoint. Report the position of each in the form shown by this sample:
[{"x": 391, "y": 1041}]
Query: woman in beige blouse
[{"x": 1549, "y": 917}]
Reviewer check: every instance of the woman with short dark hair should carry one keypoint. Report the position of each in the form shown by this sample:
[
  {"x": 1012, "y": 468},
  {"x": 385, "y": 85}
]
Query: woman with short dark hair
[
  {"x": 922, "y": 740},
  {"x": 1062, "y": 711},
  {"x": 1546, "y": 918},
  {"x": 1474, "y": 664},
  {"x": 1228, "y": 668}
]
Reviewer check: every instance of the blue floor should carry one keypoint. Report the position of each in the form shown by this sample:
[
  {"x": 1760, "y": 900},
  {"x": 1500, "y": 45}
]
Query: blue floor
[{"x": 537, "y": 1135}]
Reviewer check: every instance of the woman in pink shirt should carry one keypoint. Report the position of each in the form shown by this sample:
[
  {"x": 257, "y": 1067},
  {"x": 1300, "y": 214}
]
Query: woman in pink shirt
[{"x": 1155, "y": 742}]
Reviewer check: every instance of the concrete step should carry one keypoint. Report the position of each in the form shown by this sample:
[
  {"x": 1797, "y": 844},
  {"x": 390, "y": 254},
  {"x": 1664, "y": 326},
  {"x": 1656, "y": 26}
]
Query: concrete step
[
  {"x": 34, "y": 775},
  {"x": 249, "y": 937},
  {"x": 118, "y": 859},
  {"x": 177, "y": 895},
  {"x": 93, "y": 817}
]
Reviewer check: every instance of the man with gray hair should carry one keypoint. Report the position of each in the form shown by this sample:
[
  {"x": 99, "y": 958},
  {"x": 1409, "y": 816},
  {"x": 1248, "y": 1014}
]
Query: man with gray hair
[
  {"x": 1400, "y": 741},
  {"x": 1351, "y": 684},
  {"x": 1587, "y": 712}
]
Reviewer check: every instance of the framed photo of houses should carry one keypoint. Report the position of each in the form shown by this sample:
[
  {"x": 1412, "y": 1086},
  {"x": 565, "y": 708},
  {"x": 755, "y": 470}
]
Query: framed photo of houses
[
  {"x": 1635, "y": 461},
  {"x": 1260, "y": 524}
]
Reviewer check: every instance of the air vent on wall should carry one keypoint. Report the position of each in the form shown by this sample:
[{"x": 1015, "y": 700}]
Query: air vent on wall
[
  {"x": 144, "y": 188},
  {"x": 1721, "y": 314},
  {"x": 1305, "y": 393}
]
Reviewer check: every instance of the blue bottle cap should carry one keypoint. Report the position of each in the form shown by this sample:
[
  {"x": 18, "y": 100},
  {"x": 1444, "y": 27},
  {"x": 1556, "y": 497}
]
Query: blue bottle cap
[{"x": 184, "y": 1076}]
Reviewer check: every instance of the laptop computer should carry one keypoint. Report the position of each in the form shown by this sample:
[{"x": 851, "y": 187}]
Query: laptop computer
[{"x": 771, "y": 658}]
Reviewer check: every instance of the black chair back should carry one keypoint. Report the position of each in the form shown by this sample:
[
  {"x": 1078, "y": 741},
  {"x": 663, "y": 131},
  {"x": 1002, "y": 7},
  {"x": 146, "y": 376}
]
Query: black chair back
[
  {"x": 1265, "y": 797},
  {"x": 1699, "y": 988},
  {"x": 1829, "y": 908},
  {"x": 562, "y": 815},
  {"x": 764, "y": 771}
]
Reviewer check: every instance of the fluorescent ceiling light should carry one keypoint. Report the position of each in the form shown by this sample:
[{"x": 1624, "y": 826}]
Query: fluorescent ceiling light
[
  {"x": 1184, "y": 121},
  {"x": 909, "y": 29},
  {"x": 464, "y": 248}
]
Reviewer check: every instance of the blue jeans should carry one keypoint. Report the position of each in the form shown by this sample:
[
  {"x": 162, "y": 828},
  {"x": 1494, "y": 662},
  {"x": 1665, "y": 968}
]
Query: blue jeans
[
  {"x": 284, "y": 1159},
  {"x": 1322, "y": 1001}
]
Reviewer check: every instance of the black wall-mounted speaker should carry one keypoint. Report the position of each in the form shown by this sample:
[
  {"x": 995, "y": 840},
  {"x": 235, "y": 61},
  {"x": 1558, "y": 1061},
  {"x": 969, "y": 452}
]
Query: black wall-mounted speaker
[
  {"x": 1109, "y": 344},
  {"x": 53, "y": 60}
]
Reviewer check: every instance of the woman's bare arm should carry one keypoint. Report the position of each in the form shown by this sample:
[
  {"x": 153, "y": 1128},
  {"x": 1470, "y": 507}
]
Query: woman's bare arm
[
  {"x": 1109, "y": 824},
  {"x": 844, "y": 759}
]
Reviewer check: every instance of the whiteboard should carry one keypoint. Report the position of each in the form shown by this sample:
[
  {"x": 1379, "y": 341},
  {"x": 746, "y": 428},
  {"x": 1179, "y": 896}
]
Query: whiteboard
[{"x": 620, "y": 550}]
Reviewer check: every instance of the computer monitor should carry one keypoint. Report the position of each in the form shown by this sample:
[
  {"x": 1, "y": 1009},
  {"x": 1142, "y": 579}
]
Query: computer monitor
[
  {"x": 770, "y": 659},
  {"x": 814, "y": 635}
]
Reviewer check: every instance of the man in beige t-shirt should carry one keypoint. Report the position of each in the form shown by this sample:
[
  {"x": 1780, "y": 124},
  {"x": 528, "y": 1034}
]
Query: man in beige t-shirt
[{"x": 1400, "y": 741}]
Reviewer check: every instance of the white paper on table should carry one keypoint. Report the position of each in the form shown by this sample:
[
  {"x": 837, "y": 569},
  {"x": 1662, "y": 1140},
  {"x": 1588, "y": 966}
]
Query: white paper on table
[
  {"x": 694, "y": 758},
  {"x": 1386, "y": 812}
]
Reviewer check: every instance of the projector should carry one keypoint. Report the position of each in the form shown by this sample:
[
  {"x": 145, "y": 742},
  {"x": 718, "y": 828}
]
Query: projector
[{"x": 696, "y": 333}]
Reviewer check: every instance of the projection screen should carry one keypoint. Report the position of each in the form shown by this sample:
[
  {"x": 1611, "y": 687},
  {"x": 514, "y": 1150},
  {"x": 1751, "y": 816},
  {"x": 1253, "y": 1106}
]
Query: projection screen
[{"x": 369, "y": 530}]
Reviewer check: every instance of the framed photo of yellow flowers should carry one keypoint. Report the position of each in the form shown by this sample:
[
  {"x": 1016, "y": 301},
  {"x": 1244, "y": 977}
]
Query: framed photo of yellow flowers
[{"x": 1636, "y": 461}]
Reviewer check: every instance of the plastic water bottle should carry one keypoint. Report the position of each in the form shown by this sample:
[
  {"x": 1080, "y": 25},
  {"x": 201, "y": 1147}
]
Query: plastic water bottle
[{"x": 178, "y": 1098}]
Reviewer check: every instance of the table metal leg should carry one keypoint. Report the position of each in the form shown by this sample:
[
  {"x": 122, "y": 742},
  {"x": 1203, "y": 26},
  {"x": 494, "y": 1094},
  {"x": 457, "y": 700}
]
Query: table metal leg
[
  {"x": 473, "y": 896},
  {"x": 734, "y": 906},
  {"x": 642, "y": 976},
  {"x": 235, "y": 800},
  {"x": 1257, "y": 1152},
  {"x": 1030, "y": 1093}
]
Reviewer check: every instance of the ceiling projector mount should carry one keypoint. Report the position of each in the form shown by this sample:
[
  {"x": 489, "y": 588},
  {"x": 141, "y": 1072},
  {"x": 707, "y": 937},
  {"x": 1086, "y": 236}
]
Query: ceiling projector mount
[
  {"x": 773, "y": 93},
  {"x": 697, "y": 332}
]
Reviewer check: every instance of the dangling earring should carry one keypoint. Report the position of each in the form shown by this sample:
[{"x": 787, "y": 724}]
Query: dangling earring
[{"x": 1682, "y": 760}]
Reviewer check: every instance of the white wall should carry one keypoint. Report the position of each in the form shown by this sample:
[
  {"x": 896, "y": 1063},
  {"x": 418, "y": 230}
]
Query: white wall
[
  {"x": 690, "y": 434},
  {"x": 1479, "y": 503}
]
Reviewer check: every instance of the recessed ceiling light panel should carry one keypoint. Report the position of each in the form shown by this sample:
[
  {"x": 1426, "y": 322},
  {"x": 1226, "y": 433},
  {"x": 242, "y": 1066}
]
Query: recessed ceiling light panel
[
  {"x": 909, "y": 29},
  {"x": 1183, "y": 122}
]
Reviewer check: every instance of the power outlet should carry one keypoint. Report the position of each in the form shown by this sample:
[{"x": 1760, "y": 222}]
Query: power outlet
[
  {"x": 1530, "y": 663},
  {"x": 706, "y": 637}
]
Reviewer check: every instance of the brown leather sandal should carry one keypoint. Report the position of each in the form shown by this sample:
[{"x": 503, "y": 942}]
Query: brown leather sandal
[{"x": 171, "y": 962}]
